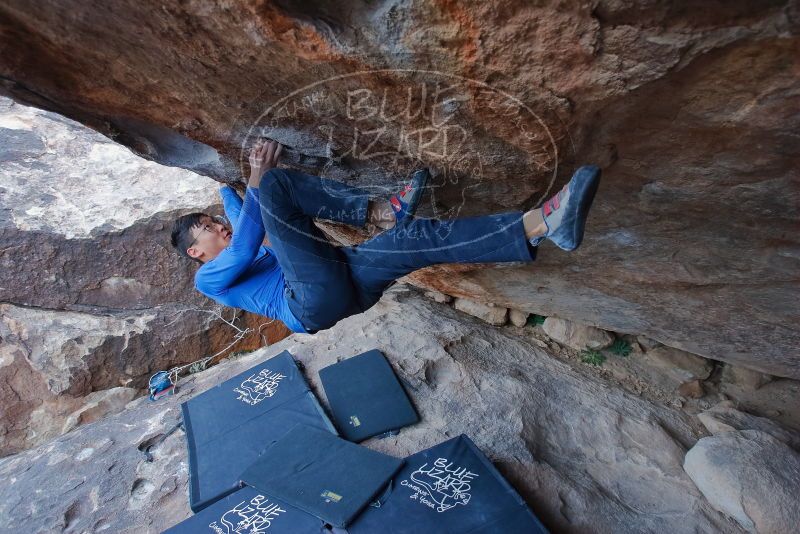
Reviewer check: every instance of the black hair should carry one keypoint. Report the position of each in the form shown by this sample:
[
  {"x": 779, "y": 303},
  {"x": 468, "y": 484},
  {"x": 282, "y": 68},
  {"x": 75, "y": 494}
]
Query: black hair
[{"x": 181, "y": 235}]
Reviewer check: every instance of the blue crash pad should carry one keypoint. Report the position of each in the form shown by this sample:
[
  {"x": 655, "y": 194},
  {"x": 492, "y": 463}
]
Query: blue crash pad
[
  {"x": 231, "y": 424},
  {"x": 451, "y": 488},
  {"x": 321, "y": 474},
  {"x": 365, "y": 397},
  {"x": 248, "y": 511}
]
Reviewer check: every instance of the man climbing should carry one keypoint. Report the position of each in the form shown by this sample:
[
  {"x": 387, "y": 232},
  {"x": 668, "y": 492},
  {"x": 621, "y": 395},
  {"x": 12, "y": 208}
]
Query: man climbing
[{"x": 308, "y": 283}]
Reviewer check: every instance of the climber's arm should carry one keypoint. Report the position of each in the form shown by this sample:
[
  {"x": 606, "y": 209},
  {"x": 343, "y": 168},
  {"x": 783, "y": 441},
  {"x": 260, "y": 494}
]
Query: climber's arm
[
  {"x": 262, "y": 158},
  {"x": 219, "y": 274},
  {"x": 232, "y": 203}
]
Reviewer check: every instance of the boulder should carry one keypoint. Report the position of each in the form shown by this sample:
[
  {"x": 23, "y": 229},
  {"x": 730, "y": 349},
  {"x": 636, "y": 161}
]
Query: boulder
[
  {"x": 678, "y": 365},
  {"x": 750, "y": 476},
  {"x": 60, "y": 369},
  {"x": 576, "y": 335},
  {"x": 586, "y": 457},
  {"x": 724, "y": 417},
  {"x": 518, "y": 317},
  {"x": 665, "y": 371},
  {"x": 438, "y": 296},
  {"x": 647, "y": 343},
  {"x": 93, "y": 298},
  {"x": 745, "y": 378},
  {"x": 490, "y": 313},
  {"x": 503, "y": 104},
  {"x": 692, "y": 389},
  {"x": 85, "y": 224},
  {"x": 776, "y": 400}
]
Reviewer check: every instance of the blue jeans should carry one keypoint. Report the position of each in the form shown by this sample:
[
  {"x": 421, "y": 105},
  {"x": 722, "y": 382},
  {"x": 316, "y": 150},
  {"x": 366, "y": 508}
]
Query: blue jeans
[{"x": 326, "y": 283}]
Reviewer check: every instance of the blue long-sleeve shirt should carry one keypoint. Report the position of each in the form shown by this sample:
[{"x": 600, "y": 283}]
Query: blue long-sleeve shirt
[{"x": 246, "y": 274}]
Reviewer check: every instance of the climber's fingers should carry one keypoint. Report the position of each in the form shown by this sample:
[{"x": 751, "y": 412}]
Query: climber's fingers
[
  {"x": 264, "y": 154},
  {"x": 271, "y": 148},
  {"x": 254, "y": 157},
  {"x": 263, "y": 148}
]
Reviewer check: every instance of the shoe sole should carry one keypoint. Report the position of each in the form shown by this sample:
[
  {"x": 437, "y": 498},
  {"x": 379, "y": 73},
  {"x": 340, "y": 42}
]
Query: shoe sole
[{"x": 585, "y": 203}]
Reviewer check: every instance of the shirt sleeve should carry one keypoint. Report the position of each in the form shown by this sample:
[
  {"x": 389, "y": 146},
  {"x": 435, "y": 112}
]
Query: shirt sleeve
[
  {"x": 219, "y": 274},
  {"x": 232, "y": 203}
]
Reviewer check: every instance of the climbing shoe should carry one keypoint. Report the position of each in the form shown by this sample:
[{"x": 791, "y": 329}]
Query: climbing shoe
[
  {"x": 404, "y": 204},
  {"x": 565, "y": 212}
]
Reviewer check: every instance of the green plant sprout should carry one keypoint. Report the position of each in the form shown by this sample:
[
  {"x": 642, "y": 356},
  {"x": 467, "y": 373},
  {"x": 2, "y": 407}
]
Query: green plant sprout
[
  {"x": 592, "y": 357},
  {"x": 535, "y": 320},
  {"x": 621, "y": 348}
]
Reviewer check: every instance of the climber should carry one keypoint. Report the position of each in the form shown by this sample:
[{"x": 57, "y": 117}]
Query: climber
[{"x": 308, "y": 283}]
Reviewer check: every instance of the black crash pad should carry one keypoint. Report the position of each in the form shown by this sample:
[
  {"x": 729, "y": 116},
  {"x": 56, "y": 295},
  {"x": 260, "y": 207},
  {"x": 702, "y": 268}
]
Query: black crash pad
[
  {"x": 249, "y": 511},
  {"x": 451, "y": 488},
  {"x": 321, "y": 474},
  {"x": 231, "y": 424},
  {"x": 365, "y": 397}
]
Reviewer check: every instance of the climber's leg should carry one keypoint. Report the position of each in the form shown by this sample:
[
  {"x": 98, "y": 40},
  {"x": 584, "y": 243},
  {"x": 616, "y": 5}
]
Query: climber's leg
[
  {"x": 319, "y": 290},
  {"x": 418, "y": 243},
  {"x": 321, "y": 198},
  {"x": 533, "y": 222}
]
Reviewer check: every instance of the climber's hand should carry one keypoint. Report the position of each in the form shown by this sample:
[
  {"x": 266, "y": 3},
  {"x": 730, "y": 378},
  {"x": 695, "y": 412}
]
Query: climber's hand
[{"x": 263, "y": 157}]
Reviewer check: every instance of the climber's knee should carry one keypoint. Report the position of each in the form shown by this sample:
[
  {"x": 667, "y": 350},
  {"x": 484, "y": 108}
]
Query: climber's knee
[{"x": 274, "y": 183}]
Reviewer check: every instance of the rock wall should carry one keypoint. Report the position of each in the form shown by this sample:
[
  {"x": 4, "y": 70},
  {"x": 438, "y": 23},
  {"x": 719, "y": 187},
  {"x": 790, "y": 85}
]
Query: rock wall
[
  {"x": 92, "y": 298},
  {"x": 691, "y": 109},
  {"x": 585, "y": 456}
]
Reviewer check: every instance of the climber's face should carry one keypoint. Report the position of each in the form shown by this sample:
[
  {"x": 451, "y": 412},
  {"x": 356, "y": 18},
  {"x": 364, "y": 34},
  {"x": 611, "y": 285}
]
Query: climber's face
[{"x": 210, "y": 238}]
